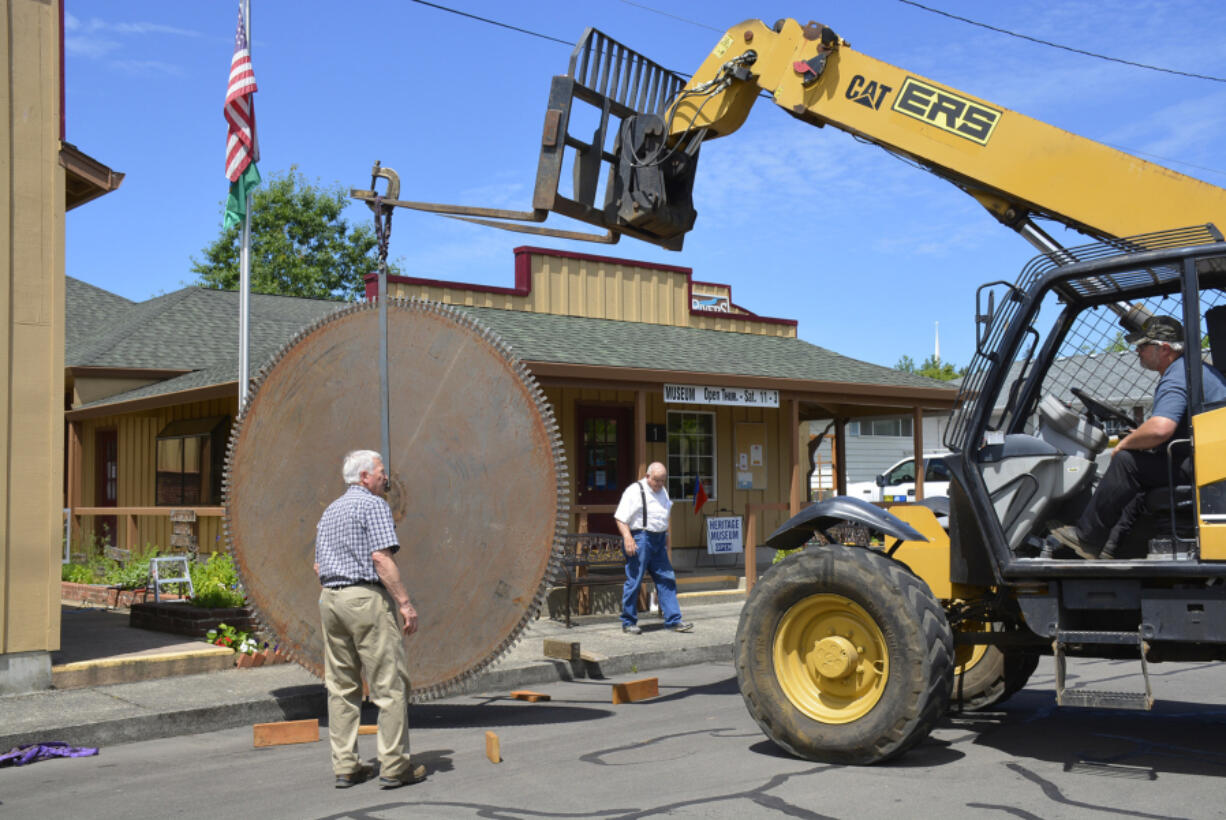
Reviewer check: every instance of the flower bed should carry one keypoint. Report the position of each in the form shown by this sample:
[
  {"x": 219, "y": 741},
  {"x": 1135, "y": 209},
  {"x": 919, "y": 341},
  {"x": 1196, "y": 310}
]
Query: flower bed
[
  {"x": 107, "y": 596},
  {"x": 185, "y": 619}
]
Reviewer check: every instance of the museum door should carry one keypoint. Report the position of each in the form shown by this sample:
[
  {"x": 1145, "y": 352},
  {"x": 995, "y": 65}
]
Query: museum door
[
  {"x": 106, "y": 484},
  {"x": 605, "y": 459}
]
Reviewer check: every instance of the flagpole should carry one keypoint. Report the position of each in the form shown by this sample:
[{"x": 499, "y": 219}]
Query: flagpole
[{"x": 244, "y": 270}]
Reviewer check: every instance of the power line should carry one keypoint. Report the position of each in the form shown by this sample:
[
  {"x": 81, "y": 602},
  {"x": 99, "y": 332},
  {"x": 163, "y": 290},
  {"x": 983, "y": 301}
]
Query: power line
[
  {"x": 494, "y": 22},
  {"x": 673, "y": 16},
  {"x": 1065, "y": 48}
]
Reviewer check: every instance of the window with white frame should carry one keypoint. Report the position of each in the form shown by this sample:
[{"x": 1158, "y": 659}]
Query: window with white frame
[
  {"x": 691, "y": 452},
  {"x": 893, "y": 426}
]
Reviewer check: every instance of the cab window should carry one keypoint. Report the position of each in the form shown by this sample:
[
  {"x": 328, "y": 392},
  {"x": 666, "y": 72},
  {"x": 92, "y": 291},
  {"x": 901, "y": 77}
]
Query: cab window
[
  {"x": 902, "y": 473},
  {"x": 936, "y": 471}
]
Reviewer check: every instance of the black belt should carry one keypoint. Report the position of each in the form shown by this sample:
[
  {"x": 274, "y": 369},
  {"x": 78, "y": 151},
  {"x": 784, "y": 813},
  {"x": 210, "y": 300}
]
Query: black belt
[{"x": 352, "y": 584}]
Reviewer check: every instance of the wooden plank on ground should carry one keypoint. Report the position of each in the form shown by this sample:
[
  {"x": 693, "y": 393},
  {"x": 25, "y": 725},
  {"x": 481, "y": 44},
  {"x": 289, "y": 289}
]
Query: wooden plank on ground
[
  {"x": 285, "y": 732},
  {"x": 529, "y": 695},
  {"x": 492, "y": 748},
  {"x": 368, "y": 729},
  {"x": 592, "y": 657},
  {"x": 562, "y": 650},
  {"x": 633, "y": 690}
]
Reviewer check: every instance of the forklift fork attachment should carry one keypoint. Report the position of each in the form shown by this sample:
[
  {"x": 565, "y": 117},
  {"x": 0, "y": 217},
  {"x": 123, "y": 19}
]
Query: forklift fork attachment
[{"x": 619, "y": 85}]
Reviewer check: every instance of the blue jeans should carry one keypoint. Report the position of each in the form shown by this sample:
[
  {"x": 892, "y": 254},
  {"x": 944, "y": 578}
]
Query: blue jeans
[{"x": 652, "y": 557}]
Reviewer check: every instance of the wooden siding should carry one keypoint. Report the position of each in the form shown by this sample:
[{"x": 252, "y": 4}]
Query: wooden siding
[
  {"x": 32, "y": 341},
  {"x": 601, "y": 290},
  {"x": 686, "y": 526},
  {"x": 137, "y": 434}
]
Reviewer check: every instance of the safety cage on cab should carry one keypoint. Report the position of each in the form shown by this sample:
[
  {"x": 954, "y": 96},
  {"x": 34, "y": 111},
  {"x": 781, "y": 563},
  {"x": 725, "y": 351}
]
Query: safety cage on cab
[{"x": 1054, "y": 383}]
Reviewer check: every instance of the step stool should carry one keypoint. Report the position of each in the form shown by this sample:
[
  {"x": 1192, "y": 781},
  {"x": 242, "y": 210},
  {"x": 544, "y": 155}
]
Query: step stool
[{"x": 161, "y": 571}]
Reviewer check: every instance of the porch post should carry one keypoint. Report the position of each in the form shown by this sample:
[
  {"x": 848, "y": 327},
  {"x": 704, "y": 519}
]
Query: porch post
[
  {"x": 640, "y": 433},
  {"x": 840, "y": 463},
  {"x": 796, "y": 496},
  {"x": 75, "y": 479},
  {"x": 917, "y": 443}
]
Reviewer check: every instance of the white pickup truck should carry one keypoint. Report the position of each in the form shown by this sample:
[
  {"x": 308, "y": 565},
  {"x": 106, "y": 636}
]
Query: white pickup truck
[{"x": 897, "y": 484}]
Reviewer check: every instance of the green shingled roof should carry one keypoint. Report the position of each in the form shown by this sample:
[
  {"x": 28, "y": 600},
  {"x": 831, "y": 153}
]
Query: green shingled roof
[
  {"x": 89, "y": 309},
  {"x": 543, "y": 337},
  {"x": 190, "y": 329},
  {"x": 196, "y": 329}
]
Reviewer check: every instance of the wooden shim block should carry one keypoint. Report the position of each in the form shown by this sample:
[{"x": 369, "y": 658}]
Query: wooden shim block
[
  {"x": 562, "y": 650},
  {"x": 368, "y": 729},
  {"x": 592, "y": 657},
  {"x": 530, "y": 696},
  {"x": 285, "y": 732},
  {"x": 633, "y": 690},
  {"x": 493, "y": 750}
]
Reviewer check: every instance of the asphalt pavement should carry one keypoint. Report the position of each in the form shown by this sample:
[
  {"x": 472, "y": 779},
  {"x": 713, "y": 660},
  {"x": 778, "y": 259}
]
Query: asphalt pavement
[{"x": 187, "y": 704}]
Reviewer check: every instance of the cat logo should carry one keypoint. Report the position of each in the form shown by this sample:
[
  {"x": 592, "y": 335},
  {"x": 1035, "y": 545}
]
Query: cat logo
[
  {"x": 867, "y": 93},
  {"x": 946, "y": 110}
]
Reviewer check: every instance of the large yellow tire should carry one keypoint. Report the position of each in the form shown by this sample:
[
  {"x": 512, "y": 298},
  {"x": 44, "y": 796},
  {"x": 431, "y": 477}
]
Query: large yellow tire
[
  {"x": 844, "y": 656},
  {"x": 987, "y": 676}
]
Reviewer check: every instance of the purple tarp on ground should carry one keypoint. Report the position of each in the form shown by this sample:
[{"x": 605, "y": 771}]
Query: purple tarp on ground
[{"x": 21, "y": 755}]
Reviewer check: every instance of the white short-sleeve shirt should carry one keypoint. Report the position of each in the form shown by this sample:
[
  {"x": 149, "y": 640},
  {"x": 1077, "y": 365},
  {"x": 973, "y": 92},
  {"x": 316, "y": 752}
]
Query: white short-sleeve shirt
[{"x": 630, "y": 508}]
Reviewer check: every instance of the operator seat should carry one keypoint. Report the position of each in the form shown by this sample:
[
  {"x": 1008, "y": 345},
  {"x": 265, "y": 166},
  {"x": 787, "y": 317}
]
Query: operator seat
[
  {"x": 1067, "y": 431},
  {"x": 1215, "y": 329}
]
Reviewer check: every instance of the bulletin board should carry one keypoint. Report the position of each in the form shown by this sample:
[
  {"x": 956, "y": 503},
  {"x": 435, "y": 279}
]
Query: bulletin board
[{"x": 749, "y": 456}]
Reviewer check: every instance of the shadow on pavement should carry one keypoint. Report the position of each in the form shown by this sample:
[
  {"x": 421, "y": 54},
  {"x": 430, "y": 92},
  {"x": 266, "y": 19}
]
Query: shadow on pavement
[
  {"x": 491, "y": 714},
  {"x": 90, "y": 633},
  {"x": 1174, "y": 738}
]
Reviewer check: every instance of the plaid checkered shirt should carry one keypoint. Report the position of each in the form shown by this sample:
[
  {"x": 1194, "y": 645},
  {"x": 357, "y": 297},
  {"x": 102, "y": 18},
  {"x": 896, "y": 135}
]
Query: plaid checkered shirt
[{"x": 353, "y": 526}]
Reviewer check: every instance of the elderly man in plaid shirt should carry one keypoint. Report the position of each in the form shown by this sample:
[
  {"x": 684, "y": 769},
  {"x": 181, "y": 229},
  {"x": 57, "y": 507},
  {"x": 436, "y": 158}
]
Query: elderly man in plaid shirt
[{"x": 362, "y": 591}]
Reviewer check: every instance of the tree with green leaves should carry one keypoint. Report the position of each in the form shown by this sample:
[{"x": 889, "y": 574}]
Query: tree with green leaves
[
  {"x": 932, "y": 367},
  {"x": 300, "y": 244}
]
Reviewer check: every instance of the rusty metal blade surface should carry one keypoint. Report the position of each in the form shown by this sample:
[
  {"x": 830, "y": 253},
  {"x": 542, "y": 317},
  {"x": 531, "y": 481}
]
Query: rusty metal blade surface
[{"x": 478, "y": 482}]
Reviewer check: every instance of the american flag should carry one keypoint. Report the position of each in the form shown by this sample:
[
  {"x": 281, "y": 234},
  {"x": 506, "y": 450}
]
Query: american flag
[{"x": 242, "y": 149}]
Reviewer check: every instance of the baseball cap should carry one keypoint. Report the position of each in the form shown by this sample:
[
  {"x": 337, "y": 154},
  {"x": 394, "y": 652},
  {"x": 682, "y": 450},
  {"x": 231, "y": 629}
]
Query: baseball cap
[{"x": 1157, "y": 329}]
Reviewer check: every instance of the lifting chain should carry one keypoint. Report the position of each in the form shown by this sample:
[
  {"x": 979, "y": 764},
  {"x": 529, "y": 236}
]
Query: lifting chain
[{"x": 383, "y": 213}]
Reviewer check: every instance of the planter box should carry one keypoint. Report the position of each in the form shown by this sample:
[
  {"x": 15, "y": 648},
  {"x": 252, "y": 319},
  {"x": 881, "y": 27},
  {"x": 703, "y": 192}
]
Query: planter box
[
  {"x": 184, "y": 619},
  {"x": 103, "y": 595},
  {"x": 265, "y": 657}
]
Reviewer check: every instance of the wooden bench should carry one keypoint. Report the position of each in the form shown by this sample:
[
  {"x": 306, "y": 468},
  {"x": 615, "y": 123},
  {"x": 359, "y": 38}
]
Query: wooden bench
[{"x": 590, "y": 558}]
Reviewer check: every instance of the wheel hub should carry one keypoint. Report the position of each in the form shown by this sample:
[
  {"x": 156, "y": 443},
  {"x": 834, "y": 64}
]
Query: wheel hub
[
  {"x": 834, "y": 657},
  {"x": 831, "y": 658}
]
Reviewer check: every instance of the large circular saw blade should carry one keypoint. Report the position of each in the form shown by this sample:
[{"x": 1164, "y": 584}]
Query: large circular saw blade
[{"x": 477, "y": 471}]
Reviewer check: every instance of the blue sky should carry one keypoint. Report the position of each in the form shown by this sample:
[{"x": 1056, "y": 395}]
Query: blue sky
[{"x": 869, "y": 254}]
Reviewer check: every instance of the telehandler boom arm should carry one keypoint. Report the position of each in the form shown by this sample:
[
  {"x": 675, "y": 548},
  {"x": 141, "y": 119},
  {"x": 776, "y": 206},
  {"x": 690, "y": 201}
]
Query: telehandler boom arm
[{"x": 1015, "y": 166}]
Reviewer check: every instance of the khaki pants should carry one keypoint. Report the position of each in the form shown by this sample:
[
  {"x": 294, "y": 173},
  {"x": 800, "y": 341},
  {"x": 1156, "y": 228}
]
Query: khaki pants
[{"x": 361, "y": 632}]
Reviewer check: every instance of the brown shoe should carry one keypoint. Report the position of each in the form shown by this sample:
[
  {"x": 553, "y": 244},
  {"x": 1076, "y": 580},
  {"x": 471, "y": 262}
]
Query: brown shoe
[
  {"x": 359, "y": 775},
  {"x": 414, "y": 774},
  {"x": 1069, "y": 537}
]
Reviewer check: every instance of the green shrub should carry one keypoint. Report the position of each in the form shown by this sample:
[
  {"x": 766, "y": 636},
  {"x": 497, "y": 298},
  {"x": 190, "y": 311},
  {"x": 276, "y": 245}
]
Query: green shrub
[
  {"x": 216, "y": 583},
  {"x": 76, "y": 574},
  {"x": 132, "y": 573}
]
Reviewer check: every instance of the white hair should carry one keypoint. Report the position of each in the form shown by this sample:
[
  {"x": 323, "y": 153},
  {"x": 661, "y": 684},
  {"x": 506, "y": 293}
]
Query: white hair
[
  {"x": 1176, "y": 347},
  {"x": 358, "y": 462}
]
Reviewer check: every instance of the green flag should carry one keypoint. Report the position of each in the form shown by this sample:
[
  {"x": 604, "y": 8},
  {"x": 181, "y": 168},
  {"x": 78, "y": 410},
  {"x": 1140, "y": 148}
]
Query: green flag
[{"x": 236, "y": 202}]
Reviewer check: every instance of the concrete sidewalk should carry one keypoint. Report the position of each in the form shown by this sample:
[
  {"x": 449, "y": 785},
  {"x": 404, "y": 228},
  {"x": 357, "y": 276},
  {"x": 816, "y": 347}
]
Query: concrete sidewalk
[{"x": 186, "y": 704}]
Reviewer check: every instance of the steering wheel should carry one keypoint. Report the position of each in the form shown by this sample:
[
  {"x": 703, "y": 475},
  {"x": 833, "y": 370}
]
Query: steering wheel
[{"x": 1102, "y": 411}]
